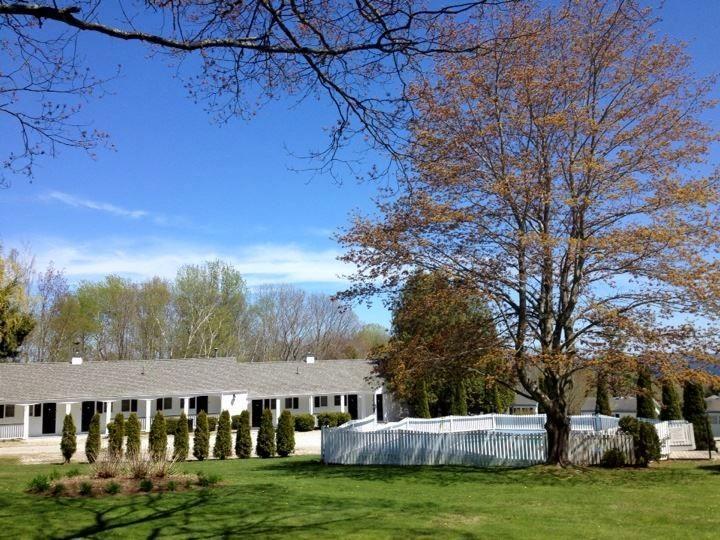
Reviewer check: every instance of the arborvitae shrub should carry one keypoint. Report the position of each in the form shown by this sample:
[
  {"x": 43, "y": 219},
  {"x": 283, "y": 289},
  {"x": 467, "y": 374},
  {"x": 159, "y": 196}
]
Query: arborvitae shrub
[
  {"x": 695, "y": 412},
  {"x": 304, "y": 422},
  {"x": 646, "y": 443},
  {"x": 285, "y": 434},
  {"x": 671, "y": 409},
  {"x": 223, "y": 440},
  {"x": 212, "y": 423},
  {"x": 117, "y": 434},
  {"x": 235, "y": 421},
  {"x": 157, "y": 441},
  {"x": 181, "y": 441},
  {"x": 645, "y": 403},
  {"x": 201, "y": 438},
  {"x": 132, "y": 430},
  {"x": 171, "y": 425},
  {"x": 602, "y": 399},
  {"x": 68, "y": 442},
  {"x": 265, "y": 447},
  {"x": 243, "y": 440},
  {"x": 458, "y": 405},
  {"x": 421, "y": 407},
  {"x": 92, "y": 443}
]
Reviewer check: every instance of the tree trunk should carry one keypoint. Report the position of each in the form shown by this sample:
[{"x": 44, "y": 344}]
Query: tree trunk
[{"x": 558, "y": 437}]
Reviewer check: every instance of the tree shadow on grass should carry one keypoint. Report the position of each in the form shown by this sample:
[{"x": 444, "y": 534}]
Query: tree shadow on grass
[{"x": 713, "y": 469}]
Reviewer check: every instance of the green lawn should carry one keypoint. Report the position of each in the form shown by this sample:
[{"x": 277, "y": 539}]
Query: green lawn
[{"x": 299, "y": 497}]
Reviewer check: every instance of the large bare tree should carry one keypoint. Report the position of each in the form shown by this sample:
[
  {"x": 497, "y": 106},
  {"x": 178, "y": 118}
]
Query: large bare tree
[{"x": 563, "y": 174}]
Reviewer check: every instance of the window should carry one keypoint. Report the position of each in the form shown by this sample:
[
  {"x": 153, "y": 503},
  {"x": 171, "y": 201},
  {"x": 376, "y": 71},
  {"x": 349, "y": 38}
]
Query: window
[
  {"x": 38, "y": 409},
  {"x": 182, "y": 403},
  {"x": 292, "y": 403},
  {"x": 269, "y": 404},
  {"x": 2, "y": 411},
  {"x": 321, "y": 401},
  {"x": 100, "y": 407},
  {"x": 168, "y": 403},
  {"x": 125, "y": 405},
  {"x": 7, "y": 411},
  {"x": 159, "y": 404},
  {"x": 163, "y": 404},
  {"x": 133, "y": 405},
  {"x": 338, "y": 400},
  {"x": 192, "y": 403}
]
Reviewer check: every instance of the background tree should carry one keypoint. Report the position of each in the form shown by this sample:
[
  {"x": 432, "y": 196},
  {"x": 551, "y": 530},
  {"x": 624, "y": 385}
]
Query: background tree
[
  {"x": 132, "y": 431},
  {"x": 645, "y": 401},
  {"x": 93, "y": 441},
  {"x": 68, "y": 441},
  {"x": 223, "y": 439},
  {"x": 243, "y": 440},
  {"x": 16, "y": 322},
  {"x": 265, "y": 446},
  {"x": 547, "y": 175},
  {"x": 285, "y": 434},
  {"x": 181, "y": 439},
  {"x": 602, "y": 399},
  {"x": 116, "y": 435},
  {"x": 201, "y": 437},
  {"x": 695, "y": 411},
  {"x": 671, "y": 409},
  {"x": 157, "y": 440}
]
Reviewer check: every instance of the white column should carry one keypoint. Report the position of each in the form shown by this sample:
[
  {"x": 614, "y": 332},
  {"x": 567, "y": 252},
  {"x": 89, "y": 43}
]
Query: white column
[
  {"x": 148, "y": 408},
  {"x": 342, "y": 402},
  {"x": 26, "y": 421},
  {"x": 68, "y": 408},
  {"x": 276, "y": 412},
  {"x": 311, "y": 405},
  {"x": 186, "y": 406},
  {"x": 108, "y": 414}
]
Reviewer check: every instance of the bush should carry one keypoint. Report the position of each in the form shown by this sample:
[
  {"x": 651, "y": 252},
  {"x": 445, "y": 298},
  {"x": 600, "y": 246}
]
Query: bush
[
  {"x": 117, "y": 434},
  {"x": 54, "y": 475},
  {"x": 132, "y": 430},
  {"x": 212, "y": 423},
  {"x": 146, "y": 485},
  {"x": 201, "y": 439},
  {"x": 304, "y": 422},
  {"x": 332, "y": 419},
  {"x": 236, "y": 419},
  {"x": 695, "y": 412},
  {"x": 58, "y": 489},
  {"x": 181, "y": 442},
  {"x": 72, "y": 473},
  {"x": 646, "y": 443},
  {"x": 92, "y": 443},
  {"x": 613, "y": 458},
  {"x": 39, "y": 484},
  {"x": 68, "y": 442},
  {"x": 223, "y": 439},
  {"x": 285, "y": 434},
  {"x": 157, "y": 441},
  {"x": 139, "y": 467},
  {"x": 85, "y": 489},
  {"x": 171, "y": 485},
  {"x": 243, "y": 439},
  {"x": 207, "y": 480},
  {"x": 171, "y": 424},
  {"x": 265, "y": 447},
  {"x": 113, "y": 488},
  {"x": 107, "y": 466}
]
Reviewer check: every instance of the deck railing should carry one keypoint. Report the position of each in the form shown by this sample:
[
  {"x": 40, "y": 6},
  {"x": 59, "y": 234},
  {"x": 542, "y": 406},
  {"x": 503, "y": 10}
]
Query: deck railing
[{"x": 11, "y": 431}]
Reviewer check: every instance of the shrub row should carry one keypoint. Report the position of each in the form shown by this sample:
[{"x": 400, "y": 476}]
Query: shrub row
[{"x": 332, "y": 419}]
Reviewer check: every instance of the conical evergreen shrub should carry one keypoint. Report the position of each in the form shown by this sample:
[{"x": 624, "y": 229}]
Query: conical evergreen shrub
[
  {"x": 68, "y": 442},
  {"x": 645, "y": 403},
  {"x": 602, "y": 399},
  {"x": 92, "y": 443},
  {"x": 265, "y": 447},
  {"x": 181, "y": 441},
  {"x": 117, "y": 435},
  {"x": 286, "y": 434},
  {"x": 157, "y": 441},
  {"x": 695, "y": 411},
  {"x": 458, "y": 405},
  {"x": 671, "y": 409},
  {"x": 132, "y": 431},
  {"x": 201, "y": 438},
  {"x": 421, "y": 407},
  {"x": 223, "y": 438},
  {"x": 243, "y": 439}
]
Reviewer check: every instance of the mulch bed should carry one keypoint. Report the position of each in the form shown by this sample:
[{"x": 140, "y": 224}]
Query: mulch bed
[{"x": 100, "y": 487}]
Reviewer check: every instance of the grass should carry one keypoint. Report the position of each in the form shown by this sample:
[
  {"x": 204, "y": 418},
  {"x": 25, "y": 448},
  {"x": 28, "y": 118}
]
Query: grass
[{"x": 299, "y": 497}]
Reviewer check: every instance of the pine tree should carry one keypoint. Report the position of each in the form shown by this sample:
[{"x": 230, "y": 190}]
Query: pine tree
[
  {"x": 265, "y": 447},
  {"x": 695, "y": 411},
  {"x": 117, "y": 434},
  {"x": 421, "y": 406},
  {"x": 671, "y": 409},
  {"x": 286, "y": 434},
  {"x": 181, "y": 441},
  {"x": 92, "y": 443},
  {"x": 243, "y": 440},
  {"x": 458, "y": 405},
  {"x": 157, "y": 441},
  {"x": 645, "y": 403},
  {"x": 201, "y": 438},
  {"x": 602, "y": 399},
  {"x": 223, "y": 438},
  {"x": 68, "y": 442},
  {"x": 132, "y": 430}
]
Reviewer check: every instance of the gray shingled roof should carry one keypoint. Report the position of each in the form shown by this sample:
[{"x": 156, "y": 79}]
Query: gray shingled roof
[{"x": 29, "y": 383}]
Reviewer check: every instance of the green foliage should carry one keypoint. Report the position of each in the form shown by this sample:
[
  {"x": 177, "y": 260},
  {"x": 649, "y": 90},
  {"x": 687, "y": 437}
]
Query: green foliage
[
  {"x": 16, "y": 321},
  {"x": 695, "y": 412},
  {"x": 223, "y": 440},
  {"x": 146, "y": 485},
  {"x": 85, "y": 489},
  {"x": 181, "y": 442},
  {"x": 92, "y": 443},
  {"x": 112, "y": 488},
  {"x": 304, "y": 422},
  {"x": 243, "y": 440},
  {"x": 58, "y": 489},
  {"x": 235, "y": 421},
  {"x": 201, "y": 438},
  {"x": 671, "y": 409},
  {"x": 332, "y": 419},
  {"x": 602, "y": 398},
  {"x": 612, "y": 458},
  {"x": 646, "y": 443},
  {"x": 132, "y": 430},
  {"x": 645, "y": 402},
  {"x": 207, "y": 480},
  {"x": 171, "y": 425},
  {"x": 72, "y": 473},
  {"x": 116, "y": 436},
  {"x": 157, "y": 441},
  {"x": 419, "y": 406},
  {"x": 55, "y": 475},
  {"x": 265, "y": 447},
  {"x": 68, "y": 442},
  {"x": 458, "y": 405},
  {"x": 285, "y": 434},
  {"x": 172, "y": 485},
  {"x": 39, "y": 484}
]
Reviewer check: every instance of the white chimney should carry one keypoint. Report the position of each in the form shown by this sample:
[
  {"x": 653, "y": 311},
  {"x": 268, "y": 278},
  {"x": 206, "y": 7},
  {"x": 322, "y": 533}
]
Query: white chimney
[
  {"x": 310, "y": 359},
  {"x": 76, "y": 360}
]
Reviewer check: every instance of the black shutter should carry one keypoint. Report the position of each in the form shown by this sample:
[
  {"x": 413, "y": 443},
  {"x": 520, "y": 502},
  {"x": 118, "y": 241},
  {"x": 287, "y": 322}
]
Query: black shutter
[{"x": 159, "y": 404}]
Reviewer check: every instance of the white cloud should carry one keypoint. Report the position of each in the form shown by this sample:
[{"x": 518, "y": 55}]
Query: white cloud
[{"x": 78, "y": 202}]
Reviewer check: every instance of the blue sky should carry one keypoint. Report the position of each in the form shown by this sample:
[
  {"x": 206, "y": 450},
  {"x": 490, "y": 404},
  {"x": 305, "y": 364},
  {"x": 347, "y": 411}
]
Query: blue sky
[{"x": 180, "y": 189}]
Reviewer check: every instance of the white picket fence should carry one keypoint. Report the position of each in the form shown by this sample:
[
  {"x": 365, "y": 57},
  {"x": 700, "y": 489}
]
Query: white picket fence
[{"x": 11, "y": 431}]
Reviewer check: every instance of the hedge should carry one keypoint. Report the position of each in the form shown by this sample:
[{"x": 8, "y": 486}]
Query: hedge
[
  {"x": 304, "y": 422},
  {"x": 332, "y": 419}
]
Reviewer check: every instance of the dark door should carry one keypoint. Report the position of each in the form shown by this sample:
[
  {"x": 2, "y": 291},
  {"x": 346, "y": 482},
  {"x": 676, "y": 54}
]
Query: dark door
[
  {"x": 257, "y": 410},
  {"x": 352, "y": 406},
  {"x": 379, "y": 413},
  {"x": 48, "y": 418},
  {"x": 201, "y": 404},
  {"x": 88, "y": 410}
]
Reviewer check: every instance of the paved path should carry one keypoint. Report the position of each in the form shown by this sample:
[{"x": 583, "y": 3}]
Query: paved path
[
  {"x": 693, "y": 454},
  {"x": 47, "y": 449}
]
